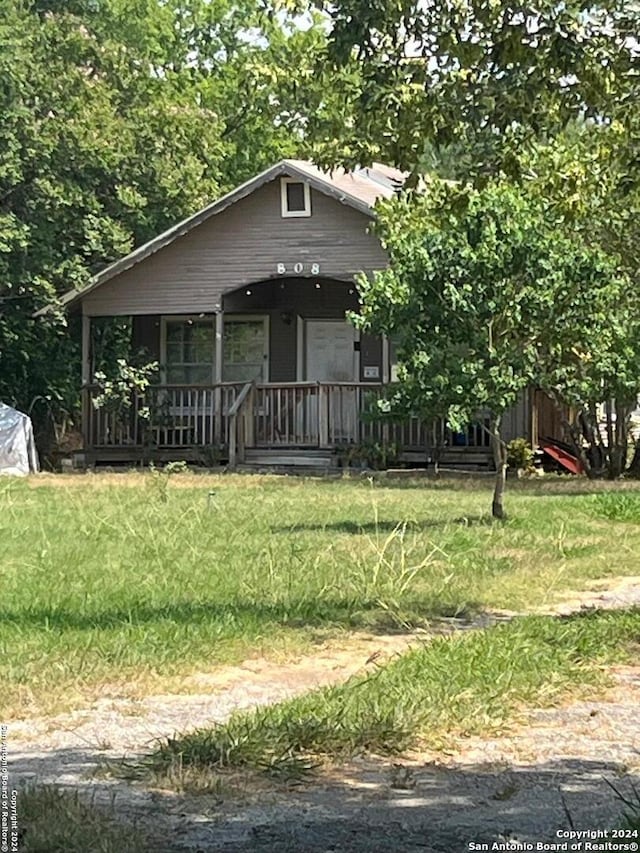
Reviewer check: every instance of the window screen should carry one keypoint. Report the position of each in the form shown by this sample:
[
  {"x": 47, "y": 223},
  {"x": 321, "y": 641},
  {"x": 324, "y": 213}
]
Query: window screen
[
  {"x": 190, "y": 352},
  {"x": 244, "y": 350},
  {"x": 295, "y": 197}
]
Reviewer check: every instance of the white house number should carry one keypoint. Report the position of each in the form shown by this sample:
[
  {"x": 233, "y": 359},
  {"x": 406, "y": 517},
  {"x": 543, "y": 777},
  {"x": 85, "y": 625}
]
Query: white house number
[{"x": 298, "y": 269}]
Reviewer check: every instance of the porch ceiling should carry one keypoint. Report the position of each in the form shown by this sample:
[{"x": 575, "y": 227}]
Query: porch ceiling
[{"x": 301, "y": 295}]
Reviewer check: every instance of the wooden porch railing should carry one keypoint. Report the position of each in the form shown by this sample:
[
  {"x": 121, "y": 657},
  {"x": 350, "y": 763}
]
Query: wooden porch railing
[
  {"x": 329, "y": 414},
  {"x": 240, "y": 415},
  {"x": 241, "y": 425},
  {"x": 163, "y": 416}
]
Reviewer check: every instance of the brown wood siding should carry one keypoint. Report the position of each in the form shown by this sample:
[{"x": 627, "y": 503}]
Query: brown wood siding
[
  {"x": 549, "y": 420},
  {"x": 516, "y": 421},
  {"x": 237, "y": 247}
]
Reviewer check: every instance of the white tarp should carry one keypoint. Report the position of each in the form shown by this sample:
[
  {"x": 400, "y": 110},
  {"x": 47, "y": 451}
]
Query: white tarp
[{"x": 17, "y": 448}]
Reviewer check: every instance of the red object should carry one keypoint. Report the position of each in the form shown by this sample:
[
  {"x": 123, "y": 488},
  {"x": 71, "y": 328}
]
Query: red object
[{"x": 567, "y": 460}]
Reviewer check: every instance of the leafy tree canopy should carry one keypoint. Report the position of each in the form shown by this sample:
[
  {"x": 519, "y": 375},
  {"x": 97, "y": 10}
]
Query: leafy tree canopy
[
  {"x": 483, "y": 75},
  {"x": 120, "y": 117},
  {"x": 487, "y": 295},
  {"x": 539, "y": 107}
]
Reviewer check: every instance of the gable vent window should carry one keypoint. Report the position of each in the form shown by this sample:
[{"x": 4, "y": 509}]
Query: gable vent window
[{"x": 295, "y": 197}]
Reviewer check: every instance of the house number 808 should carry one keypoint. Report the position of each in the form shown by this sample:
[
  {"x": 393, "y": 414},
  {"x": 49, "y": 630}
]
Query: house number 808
[{"x": 298, "y": 269}]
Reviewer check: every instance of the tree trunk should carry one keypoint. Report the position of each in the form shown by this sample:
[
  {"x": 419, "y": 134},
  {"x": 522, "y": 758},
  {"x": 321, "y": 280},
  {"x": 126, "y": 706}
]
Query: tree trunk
[
  {"x": 619, "y": 449},
  {"x": 608, "y": 415},
  {"x": 597, "y": 453},
  {"x": 499, "y": 449}
]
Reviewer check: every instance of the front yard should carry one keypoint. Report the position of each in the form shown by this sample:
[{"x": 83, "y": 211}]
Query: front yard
[{"x": 130, "y": 582}]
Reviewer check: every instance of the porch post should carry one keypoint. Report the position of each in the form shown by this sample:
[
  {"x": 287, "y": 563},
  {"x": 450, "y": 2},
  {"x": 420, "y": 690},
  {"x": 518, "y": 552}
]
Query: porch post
[
  {"x": 533, "y": 417},
  {"x": 249, "y": 408},
  {"x": 220, "y": 436},
  {"x": 86, "y": 381},
  {"x": 386, "y": 377},
  {"x": 323, "y": 414},
  {"x": 299, "y": 349}
]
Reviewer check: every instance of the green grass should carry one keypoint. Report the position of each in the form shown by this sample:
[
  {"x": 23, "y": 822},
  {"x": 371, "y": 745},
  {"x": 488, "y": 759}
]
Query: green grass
[
  {"x": 52, "y": 820},
  {"x": 467, "y": 684},
  {"x": 109, "y": 582},
  {"x": 617, "y": 506}
]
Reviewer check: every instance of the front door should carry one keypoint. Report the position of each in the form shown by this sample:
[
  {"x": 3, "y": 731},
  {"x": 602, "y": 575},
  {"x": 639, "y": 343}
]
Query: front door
[{"x": 330, "y": 354}]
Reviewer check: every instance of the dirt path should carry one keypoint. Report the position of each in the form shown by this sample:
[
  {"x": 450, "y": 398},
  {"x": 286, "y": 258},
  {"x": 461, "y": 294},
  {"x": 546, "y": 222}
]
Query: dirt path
[
  {"x": 511, "y": 786},
  {"x": 113, "y": 727},
  {"x": 518, "y": 787}
]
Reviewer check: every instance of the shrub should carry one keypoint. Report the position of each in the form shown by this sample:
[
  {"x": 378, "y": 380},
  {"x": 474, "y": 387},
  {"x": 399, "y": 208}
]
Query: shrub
[{"x": 520, "y": 454}]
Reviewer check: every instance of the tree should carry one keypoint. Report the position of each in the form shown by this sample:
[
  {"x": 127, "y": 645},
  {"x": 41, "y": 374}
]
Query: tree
[
  {"x": 119, "y": 119},
  {"x": 544, "y": 96},
  {"x": 475, "y": 294},
  {"x": 587, "y": 179},
  {"x": 485, "y": 75}
]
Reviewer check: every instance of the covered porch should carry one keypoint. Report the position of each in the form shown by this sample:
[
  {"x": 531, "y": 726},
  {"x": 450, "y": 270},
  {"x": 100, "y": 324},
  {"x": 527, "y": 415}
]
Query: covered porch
[{"x": 276, "y": 366}]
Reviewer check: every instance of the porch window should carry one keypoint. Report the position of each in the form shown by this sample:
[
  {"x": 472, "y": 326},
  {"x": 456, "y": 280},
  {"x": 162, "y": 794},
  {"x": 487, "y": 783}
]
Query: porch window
[
  {"x": 189, "y": 351},
  {"x": 244, "y": 349},
  {"x": 295, "y": 198}
]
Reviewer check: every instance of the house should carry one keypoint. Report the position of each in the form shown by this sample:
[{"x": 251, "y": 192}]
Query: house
[{"x": 243, "y": 305}]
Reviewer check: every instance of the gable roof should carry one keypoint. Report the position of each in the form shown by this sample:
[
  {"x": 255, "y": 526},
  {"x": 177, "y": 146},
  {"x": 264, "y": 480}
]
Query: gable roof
[{"x": 359, "y": 189}]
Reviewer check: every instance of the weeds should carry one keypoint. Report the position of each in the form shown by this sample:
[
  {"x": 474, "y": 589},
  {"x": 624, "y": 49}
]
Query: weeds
[
  {"x": 54, "y": 819},
  {"x": 466, "y": 684},
  {"x": 388, "y": 571},
  {"x": 160, "y": 477},
  {"x": 617, "y": 506}
]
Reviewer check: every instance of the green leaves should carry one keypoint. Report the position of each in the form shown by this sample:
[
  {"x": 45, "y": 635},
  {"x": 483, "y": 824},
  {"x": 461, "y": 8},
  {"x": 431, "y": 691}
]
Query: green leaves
[
  {"x": 450, "y": 299},
  {"x": 485, "y": 296},
  {"x": 483, "y": 76},
  {"x": 494, "y": 290},
  {"x": 118, "y": 120}
]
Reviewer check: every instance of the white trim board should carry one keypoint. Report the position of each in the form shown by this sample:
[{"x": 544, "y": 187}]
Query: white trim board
[{"x": 294, "y": 214}]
